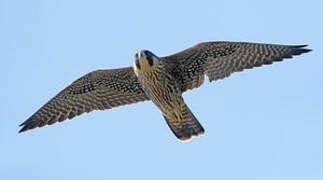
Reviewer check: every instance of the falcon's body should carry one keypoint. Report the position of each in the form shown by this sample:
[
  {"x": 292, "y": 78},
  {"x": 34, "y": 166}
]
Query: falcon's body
[
  {"x": 160, "y": 79},
  {"x": 165, "y": 92}
]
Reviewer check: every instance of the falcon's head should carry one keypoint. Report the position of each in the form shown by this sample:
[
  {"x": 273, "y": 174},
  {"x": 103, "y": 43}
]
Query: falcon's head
[{"x": 145, "y": 61}]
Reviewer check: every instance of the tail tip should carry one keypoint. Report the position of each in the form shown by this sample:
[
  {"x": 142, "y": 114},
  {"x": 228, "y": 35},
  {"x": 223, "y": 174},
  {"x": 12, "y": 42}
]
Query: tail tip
[{"x": 188, "y": 138}]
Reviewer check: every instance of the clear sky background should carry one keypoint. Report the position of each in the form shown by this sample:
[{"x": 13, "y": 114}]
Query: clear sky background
[{"x": 265, "y": 123}]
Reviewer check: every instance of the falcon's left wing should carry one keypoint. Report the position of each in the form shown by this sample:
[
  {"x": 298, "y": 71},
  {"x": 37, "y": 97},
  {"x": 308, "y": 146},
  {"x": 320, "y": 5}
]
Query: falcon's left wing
[{"x": 220, "y": 59}]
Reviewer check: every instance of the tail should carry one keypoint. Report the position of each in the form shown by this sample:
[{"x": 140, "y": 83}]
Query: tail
[{"x": 185, "y": 125}]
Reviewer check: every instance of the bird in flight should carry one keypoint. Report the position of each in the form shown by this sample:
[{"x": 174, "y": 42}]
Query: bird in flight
[{"x": 162, "y": 80}]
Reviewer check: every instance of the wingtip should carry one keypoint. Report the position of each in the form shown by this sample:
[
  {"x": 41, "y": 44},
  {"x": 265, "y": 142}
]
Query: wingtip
[
  {"x": 300, "y": 46},
  {"x": 23, "y": 129},
  {"x": 22, "y": 124},
  {"x": 300, "y": 49},
  {"x": 27, "y": 125}
]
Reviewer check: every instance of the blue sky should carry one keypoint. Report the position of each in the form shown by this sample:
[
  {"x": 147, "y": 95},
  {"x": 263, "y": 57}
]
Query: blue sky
[{"x": 264, "y": 123}]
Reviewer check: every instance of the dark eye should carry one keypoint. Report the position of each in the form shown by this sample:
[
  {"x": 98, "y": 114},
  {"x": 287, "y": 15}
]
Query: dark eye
[
  {"x": 149, "y": 56},
  {"x": 137, "y": 63}
]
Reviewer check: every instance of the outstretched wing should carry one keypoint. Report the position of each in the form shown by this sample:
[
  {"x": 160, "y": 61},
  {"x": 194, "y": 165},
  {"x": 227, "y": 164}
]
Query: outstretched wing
[
  {"x": 98, "y": 90},
  {"x": 220, "y": 59}
]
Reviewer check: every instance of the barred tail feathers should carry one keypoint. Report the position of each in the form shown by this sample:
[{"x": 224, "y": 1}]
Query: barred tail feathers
[{"x": 186, "y": 125}]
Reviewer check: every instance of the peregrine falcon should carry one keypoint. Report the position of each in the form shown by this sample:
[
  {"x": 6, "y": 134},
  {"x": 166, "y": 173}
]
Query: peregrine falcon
[{"x": 162, "y": 80}]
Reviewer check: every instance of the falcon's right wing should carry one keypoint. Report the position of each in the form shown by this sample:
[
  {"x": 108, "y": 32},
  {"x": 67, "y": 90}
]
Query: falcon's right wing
[{"x": 98, "y": 90}]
